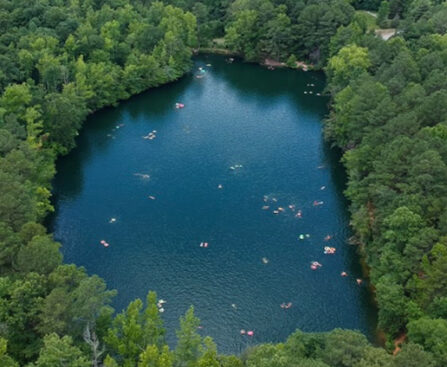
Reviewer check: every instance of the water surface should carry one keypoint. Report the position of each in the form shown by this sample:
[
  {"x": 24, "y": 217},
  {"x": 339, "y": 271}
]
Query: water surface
[{"x": 237, "y": 114}]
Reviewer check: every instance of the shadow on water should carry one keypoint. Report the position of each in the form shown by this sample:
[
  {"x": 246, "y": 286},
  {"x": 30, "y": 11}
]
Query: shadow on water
[
  {"x": 257, "y": 81},
  {"x": 333, "y": 156},
  {"x": 70, "y": 174}
]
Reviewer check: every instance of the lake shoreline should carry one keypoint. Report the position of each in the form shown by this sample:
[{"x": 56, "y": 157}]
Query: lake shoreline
[{"x": 252, "y": 98}]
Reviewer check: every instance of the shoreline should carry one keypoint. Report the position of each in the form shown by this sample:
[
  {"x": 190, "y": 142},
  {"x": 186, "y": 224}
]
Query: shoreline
[{"x": 269, "y": 63}]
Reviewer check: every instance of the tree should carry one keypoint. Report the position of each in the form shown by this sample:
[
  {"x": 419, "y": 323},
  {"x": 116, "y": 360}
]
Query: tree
[
  {"x": 413, "y": 355},
  {"x": 155, "y": 357},
  {"x": 5, "y": 360},
  {"x": 344, "y": 348},
  {"x": 188, "y": 348},
  {"x": 61, "y": 352},
  {"x": 375, "y": 357},
  {"x": 383, "y": 13},
  {"x": 134, "y": 330},
  {"x": 40, "y": 255},
  {"x": 350, "y": 62},
  {"x": 242, "y": 34},
  {"x": 392, "y": 305},
  {"x": 209, "y": 356},
  {"x": 432, "y": 335}
]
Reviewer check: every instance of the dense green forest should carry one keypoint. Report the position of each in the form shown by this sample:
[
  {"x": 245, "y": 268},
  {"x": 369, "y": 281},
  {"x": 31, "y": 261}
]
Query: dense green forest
[{"x": 64, "y": 59}]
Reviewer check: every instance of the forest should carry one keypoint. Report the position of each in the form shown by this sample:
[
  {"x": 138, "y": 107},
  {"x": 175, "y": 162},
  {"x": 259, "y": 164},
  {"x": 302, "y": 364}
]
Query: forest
[{"x": 62, "y": 60}]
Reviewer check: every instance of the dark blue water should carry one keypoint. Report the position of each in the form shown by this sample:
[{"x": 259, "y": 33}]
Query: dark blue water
[{"x": 238, "y": 114}]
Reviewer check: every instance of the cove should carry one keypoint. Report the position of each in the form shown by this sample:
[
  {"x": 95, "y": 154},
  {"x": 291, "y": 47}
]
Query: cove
[{"x": 236, "y": 115}]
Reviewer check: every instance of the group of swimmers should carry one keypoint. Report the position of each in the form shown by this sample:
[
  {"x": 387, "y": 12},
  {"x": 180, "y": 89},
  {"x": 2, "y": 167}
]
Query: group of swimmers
[
  {"x": 286, "y": 305},
  {"x": 201, "y": 73},
  {"x": 311, "y": 92},
  {"x": 314, "y": 265},
  {"x": 151, "y": 136},
  {"x": 104, "y": 243},
  {"x": 179, "y": 105},
  {"x": 329, "y": 250},
  {"x": 203, "y": 244},
  {"x": 249, "y": 332},
  {"x": 160, "y": 304},
  {"x": 299, "y": 213}
]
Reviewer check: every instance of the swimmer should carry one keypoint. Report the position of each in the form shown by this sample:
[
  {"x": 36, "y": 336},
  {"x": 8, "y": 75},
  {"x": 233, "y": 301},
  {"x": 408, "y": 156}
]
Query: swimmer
[
  {"x": 328, "y": 238},
  {"x": 275, "y": 200},
  {"x": 161, "y": 309},
  {"x": 250, "y": 333},
  {"x": 265, "y": 207},
  {"x": 329, "y": 250},
  {"x": 292, "y": 207},
  {"x": 151, "y": 197},
  {"x": 106, "y": 244},
  {"x": 205, "y": 244},
  {"x": 288, "y": 305},
  {"x": 323, "y": 188},
  {"x": 283, "y": 305},
  {"x": 265, "y": 260},
  {"x": 201, "y": 244},
  {"x": 242, "y": 332},
  {"x": 301, "y": 237},
  {"x": 281, "y": 209},
  {"x": 102, "y": 242},
  {"x": 112, "y": 220},
  {"x": 359, "y": 281},
  {"x": 344, "y": 274},
  {"x": 219, "y": 186},
  {"x": 276, "y": 212},
  {"x": 142, "y": 175},
  {"x": 299, "y": 214}
]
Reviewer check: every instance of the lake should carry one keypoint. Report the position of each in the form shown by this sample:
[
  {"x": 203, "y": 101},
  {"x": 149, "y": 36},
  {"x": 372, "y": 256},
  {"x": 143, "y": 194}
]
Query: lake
[{"x": 247, "y": 143}]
